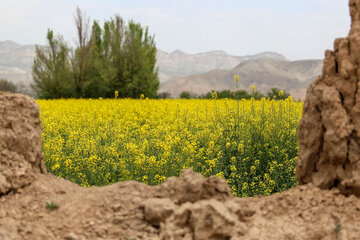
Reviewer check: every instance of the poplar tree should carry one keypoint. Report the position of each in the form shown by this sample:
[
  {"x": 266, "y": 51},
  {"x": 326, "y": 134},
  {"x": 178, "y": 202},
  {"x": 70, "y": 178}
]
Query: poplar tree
[
  {"x": 52, "y": 73},
  {"x": 81, "y": 55}
]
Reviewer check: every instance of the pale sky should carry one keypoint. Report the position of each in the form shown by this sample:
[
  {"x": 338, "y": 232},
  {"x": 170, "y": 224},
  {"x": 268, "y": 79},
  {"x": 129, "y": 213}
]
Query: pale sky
[{"x": 298, "y": 29}]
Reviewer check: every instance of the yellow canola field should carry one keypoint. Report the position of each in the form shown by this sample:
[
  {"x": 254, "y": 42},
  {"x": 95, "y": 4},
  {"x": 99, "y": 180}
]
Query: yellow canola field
[{"x": 252, "y": 144}]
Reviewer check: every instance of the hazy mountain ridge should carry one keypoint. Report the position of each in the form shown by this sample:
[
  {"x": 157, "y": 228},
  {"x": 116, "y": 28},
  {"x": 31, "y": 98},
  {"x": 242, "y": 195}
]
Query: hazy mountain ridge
[
  {"x": 16, "y": 61},
  {"x": 293, "y": 76},
  {"x": 178, "y": 63},
  {"x": 15, "y": 55}
]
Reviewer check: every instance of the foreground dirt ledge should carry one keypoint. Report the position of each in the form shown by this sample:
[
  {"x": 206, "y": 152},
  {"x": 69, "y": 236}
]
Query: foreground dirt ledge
[{"x": 132, "y": 210}]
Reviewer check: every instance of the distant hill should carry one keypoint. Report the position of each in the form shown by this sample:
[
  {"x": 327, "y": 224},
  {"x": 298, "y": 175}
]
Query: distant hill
[
  {"x": 178, "y": 63},
  {"x": 293, "y": 76},
  {"x": 16, "y": 61},
  {"x": 199, "y": 72}
]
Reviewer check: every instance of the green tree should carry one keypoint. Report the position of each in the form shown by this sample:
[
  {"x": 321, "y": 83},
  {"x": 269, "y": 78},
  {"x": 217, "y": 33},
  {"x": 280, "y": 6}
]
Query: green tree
[
  {"x": 224, "y": 94},
  {"x": 257, "y": 95},
  {"x": 185, "y": 94},
  {"x": 140, "y": 74},
  {"x": 164, "y": 95},
  {"x": 101, "y": 72},
  {"x": 123, "y": 59},
  {"x": 240, "y": 94},
  {"x": 7, "y": 86},
  {"x": 52, "y": 73},
  {"x": 81, "y": 56},
  {"x": 207, "y": 95},
  {"x": 276, "y": 93}
]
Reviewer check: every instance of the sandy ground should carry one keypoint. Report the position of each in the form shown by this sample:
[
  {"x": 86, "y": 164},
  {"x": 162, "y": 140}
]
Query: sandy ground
[{"x": 189, "y": 207}]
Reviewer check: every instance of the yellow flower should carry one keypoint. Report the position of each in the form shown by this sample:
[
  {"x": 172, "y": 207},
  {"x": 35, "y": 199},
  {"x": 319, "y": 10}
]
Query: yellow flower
[
  {"x": 220, "y": 175},
  {"x": 68, "y": 163},
  {"x": 281, "y": 93},
  {"x": 142, "y": 96},
  {"x": 145, "y": 179},
  {"x": 244, "y": 186},
  {"x": 56, "y": 166},
  {"x": 228, "y": 145},
  {"x": 236, "y": 78},
  {"x": 272, "y": 183},
  {"x": 159, "y": 178},
  {"x": 116, "y": 94},
  {"x": 214, "y": 95},
  {"x": 233, "y": 189},
  {"x": 241, "y": 147},
  {"x": 253, "y": 88},
  {"x": 211, "y": 163}
]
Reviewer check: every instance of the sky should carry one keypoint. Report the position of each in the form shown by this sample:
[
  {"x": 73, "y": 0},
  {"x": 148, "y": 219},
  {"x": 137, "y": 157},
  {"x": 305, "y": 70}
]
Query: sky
[{"x": 297, "y": 29}]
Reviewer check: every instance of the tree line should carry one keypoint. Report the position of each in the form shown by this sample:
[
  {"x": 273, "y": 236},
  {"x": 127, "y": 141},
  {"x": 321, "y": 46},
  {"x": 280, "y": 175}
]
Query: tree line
[
  {"x": 114, "y": 57},
  {"x": 7, "y": 86},
  {"x": 274, "y": 93},
  {"x": 19, "y": 87}
]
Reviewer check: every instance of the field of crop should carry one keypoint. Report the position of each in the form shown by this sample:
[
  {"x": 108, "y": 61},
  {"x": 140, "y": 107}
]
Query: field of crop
[{"x": 252, "y": 144}]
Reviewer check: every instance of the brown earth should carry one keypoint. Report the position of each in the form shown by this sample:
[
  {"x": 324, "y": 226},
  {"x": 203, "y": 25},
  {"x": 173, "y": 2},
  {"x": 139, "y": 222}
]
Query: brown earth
[{"x": 325, "y": 206}]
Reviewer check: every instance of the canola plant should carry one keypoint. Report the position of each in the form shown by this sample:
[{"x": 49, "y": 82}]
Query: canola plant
[{"x": 252, "y": 144}]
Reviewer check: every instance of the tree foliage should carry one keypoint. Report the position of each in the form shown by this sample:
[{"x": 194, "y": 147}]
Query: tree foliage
[
  {"x": 116, "y": 57},
  {"x": 52, "y": 72},
  {"x": 276, "y": 93},
  {"x": 7, "y": 86},
  {"x": 81, "y": 56},
  {"x": 240, "y": 94},
  {"x": 185, "y": 95},
  {"x": 164, "y": 95},
  {"x": 256, "y": 95}
]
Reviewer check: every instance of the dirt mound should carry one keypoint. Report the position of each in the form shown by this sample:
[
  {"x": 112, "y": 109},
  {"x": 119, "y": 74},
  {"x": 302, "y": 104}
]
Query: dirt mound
[
  {"x": 20, "y": 142},
  {"x": 329, "y": 133},
  {"x": 132, "y": 210},
  {"x": 37, "y": 205}
]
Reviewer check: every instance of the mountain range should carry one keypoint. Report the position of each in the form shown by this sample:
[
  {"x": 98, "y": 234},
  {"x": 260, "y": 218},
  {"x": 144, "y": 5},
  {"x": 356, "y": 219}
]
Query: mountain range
[
  {"x": 198, "y": 73},
  {"x": 16, "y": 61},
  {"x": 292, "y": 76},
  {"x": 177, "y": 64}
]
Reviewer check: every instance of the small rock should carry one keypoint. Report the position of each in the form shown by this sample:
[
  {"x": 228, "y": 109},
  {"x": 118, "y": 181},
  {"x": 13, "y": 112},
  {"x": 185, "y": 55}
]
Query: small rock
[
  {"x": 71, "y": 236},
  {"x": 157, "y": 210}
]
